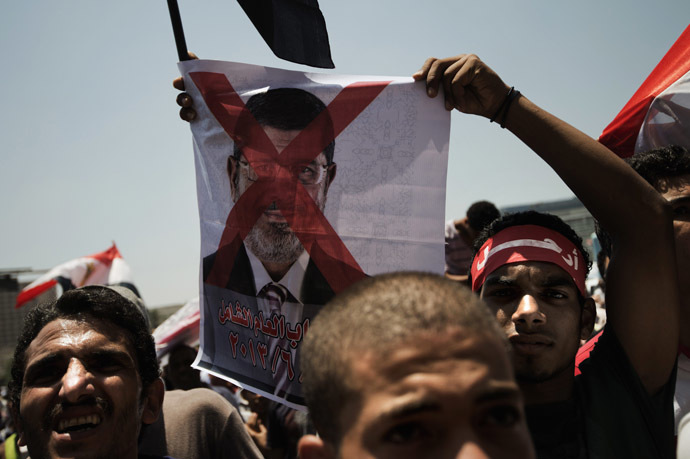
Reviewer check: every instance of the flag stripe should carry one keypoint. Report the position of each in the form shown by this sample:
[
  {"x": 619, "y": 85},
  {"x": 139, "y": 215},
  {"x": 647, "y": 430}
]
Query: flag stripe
[
  {"x": 191, "y": 323},
  {"x": 106, "y": 257},
  {"x": 31, "y": 293}
]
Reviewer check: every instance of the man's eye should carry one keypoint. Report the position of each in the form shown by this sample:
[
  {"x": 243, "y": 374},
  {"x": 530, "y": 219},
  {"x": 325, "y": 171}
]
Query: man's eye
[
  {"x": 306, "y": 171},
  {"x": 501, "y": 292},
  {"x": 555, "y": 294},
  {"x": 45, "y": 375},
  {"x": 504, "y": 416},
  {"x": 263, "y": 168},
  {"x": 108, "y": 368},
  {"x": 106, "y": 365},
  {"x": 409, "y": 432}
]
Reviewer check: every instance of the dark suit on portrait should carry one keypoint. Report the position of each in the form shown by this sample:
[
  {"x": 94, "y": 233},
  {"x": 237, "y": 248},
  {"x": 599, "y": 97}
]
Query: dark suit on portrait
[
  {"x": 315, "y": 292},
  {"x": 315, "y": 288}
]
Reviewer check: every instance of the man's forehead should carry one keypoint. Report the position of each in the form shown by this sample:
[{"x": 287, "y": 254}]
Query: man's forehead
[
  {"x": 283, "y": 136},
  {"x": 78, "y": 336},
  {"x": 675, "y": 187},
  {"x": 429, "y": 350},
  {"x": 319, "y": 160},
  {"x": 281, "y": 139},
  {"x": 542, "y": 272},
  {"x": 427, "y": 374}
]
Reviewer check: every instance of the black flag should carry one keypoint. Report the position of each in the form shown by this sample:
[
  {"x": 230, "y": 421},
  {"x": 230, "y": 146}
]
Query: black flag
[{"x": 295, "y": 30}]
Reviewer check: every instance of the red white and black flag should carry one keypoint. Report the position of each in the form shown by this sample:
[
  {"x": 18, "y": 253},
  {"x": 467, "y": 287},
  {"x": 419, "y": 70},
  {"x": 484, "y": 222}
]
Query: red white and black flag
[
  {"x": 658, "y": 114},
  {"x": 181, "y": 327},
  {"x": 107, "y": 268}
]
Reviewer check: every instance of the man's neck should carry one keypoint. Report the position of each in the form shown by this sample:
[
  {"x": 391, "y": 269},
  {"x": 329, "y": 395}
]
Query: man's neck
[
  {"x": 276, "y": 270},
  {"x": 557, "y": 389},
  {"x": 289, "y": 275}
]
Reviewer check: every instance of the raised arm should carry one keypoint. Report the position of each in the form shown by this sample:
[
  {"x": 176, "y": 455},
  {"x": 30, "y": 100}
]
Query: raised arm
[{"x": 642, "y": 290}]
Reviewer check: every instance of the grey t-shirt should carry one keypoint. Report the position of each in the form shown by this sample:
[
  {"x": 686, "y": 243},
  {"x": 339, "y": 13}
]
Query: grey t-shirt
[{"x": 197, "y": 424}]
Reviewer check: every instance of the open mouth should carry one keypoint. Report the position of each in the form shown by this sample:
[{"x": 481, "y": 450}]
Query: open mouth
[{"x": 78, "y": 424}]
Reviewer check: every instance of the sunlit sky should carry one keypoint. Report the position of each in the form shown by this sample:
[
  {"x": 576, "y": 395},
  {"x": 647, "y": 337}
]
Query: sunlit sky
[{"x": 93, "y": 150}]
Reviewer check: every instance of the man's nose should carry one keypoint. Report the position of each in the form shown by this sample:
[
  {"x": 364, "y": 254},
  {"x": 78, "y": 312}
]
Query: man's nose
[
  {"x": 471, "y": 449},
  {"x": 76, "y": 382},
  {"x": 528, "y": 312}
]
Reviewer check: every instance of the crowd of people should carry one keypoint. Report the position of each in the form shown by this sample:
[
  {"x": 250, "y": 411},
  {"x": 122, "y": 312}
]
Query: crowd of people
[{"x": 480, "y": 363}]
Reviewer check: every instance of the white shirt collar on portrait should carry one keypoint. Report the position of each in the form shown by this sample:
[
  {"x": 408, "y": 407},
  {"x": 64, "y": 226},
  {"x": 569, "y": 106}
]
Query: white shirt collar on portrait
[{"x": 292, "y": 280}]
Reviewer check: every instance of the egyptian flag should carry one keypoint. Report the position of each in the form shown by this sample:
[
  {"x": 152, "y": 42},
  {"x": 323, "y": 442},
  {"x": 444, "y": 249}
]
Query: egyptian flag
[
  {"x": 182, "y": 326},
  {"x": 658, "y": 114},
  {"x": 295, "y": 30},
  {"x": 106, "y": 268}
]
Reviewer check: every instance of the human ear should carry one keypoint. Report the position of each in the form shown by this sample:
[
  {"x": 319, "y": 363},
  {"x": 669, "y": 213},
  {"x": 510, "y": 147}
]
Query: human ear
[
  {"x": 232, "y": 176},
  {"x": 18, "y": 426},
  {"x": 313, "y": 447},
  {"x": 587, "y": 318},
  {"x": 330, "y": 175},
  {"x": 153, "y": 401}
]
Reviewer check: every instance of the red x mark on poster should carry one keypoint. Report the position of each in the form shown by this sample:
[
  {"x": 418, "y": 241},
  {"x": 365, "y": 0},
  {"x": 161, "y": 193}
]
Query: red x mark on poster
[{"x": 296, "y": 205}]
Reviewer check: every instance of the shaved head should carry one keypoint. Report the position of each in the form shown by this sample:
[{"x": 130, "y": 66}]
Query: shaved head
[{"x": 374, "y": 316}]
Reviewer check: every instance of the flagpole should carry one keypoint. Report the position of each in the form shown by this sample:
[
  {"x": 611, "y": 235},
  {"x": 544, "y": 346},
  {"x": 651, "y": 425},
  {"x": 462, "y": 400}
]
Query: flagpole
[{"x": 178, "y": 31}]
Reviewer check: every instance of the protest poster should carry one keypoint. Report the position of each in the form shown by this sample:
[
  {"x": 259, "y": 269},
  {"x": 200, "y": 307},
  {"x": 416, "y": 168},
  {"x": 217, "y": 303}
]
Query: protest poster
[{"x": 306, "y": 183}]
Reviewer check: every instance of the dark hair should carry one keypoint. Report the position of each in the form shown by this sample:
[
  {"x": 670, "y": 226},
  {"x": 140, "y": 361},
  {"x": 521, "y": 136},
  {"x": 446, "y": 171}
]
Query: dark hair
[
  {"x": 351, "y": 324},
  {"x": 85, "y": 304},
  {"x": 481, "y": 213},
  {"x": 531, "y": 217},
  {"x": 662, "y": 163},
  {"x": 288, "y": 109},
  {"x": 604, "y": 242},
  {"x": 654, "y": 166}
]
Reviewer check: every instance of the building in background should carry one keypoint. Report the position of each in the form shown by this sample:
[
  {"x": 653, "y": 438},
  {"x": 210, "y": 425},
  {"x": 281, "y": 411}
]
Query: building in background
[
  {"x": 11, "y": 319},
  {"x": 158, "y": 314}
]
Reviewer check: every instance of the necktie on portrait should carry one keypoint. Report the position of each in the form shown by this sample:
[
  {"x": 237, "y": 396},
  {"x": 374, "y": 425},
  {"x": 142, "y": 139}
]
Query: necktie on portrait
[{"x": 279, "y": 350}]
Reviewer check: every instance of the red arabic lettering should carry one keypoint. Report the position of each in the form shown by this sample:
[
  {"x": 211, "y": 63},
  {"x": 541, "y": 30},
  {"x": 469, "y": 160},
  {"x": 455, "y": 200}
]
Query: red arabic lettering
[
  {"x": 234, "y": 338},
  {"x": 251, "y": 351},
  {"x": 224, "y": 312},
  {"x": 262, "y": 349}
]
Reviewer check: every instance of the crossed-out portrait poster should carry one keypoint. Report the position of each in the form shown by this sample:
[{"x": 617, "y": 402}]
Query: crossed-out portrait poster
[{"x": 306, "y": 184}]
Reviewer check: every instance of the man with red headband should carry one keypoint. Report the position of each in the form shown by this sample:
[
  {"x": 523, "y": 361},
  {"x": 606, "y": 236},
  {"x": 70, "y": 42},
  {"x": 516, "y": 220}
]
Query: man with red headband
[{"x": 530, "y": 270}]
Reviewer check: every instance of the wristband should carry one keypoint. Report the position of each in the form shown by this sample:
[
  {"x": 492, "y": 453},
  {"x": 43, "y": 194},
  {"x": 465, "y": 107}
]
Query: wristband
[
  {"x": 498, "y": 112},
  {"x": 511, "y": 98}
]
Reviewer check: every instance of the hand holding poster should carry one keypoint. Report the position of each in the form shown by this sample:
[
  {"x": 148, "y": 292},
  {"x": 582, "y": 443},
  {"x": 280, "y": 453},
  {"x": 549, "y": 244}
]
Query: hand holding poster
[{"x": 306, "y": 183}]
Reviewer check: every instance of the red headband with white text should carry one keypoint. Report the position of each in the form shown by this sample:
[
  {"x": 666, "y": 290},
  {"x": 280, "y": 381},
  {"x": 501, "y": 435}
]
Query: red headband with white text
[{"x": 528, "y": 243}]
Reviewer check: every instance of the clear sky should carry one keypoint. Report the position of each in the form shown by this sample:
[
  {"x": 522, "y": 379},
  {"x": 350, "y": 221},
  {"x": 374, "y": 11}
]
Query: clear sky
[{"x": 93, "y": 149}]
